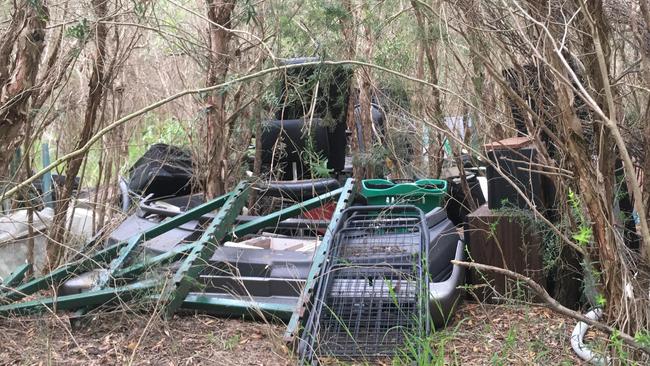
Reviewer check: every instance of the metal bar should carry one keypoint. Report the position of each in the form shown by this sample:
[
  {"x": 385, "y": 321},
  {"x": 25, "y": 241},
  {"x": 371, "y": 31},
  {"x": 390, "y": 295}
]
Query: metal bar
[
  {"x": 17, "y": 276},
  {"x": 186, "y": 217},
  {"x": 237, "y": 307},
  {"x": 57, "y": 275},
  {"x": 75, "y": 301},
  {"x": 47, "y": 177},
  {"x": 167, "y": 225},
  {"x": 195, "y": 262},
  {"x": 160, "y": 229},
  {"x": 346, "y": 197},
  {"x": 159, "y": 260},
  {"x": 275, "y": 218}
]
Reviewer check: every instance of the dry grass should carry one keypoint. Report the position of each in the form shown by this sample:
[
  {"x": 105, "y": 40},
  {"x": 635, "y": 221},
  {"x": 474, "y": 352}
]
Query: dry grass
[
  {"x": 118, "y": 340},
  {"x": 484, "y": 334},
  {"x": 480, "y": 334}
]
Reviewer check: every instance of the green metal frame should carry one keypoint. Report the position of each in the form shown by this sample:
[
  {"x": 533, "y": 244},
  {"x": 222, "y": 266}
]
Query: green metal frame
[
  {"x": 231, "y": 205},
  {"x": 237, "y": 307},
  {"x": 160, "y": 229},
  {"x": 17, "y": 276},
  {"x": 184, "y": 278},
  {"x": 71, "y": 302},
  {"x": 249, "y": 308},
  {"x": 84, "y": 264},
  {"x": 193, "y": 258},
  {"x": 345, "y": 199},
  {"x": 122, "y": 250},
  {"x": 286, "y": 213},
  {"x": 133, "y": 271}
]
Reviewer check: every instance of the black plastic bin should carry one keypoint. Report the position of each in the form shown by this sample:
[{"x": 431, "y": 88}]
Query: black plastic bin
[
  {"x": 516, "y": 165},
  {"x": 458, "y": 204}
]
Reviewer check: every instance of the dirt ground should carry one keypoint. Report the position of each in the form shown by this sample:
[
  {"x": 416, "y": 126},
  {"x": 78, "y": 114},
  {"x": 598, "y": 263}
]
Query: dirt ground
[{"x": 479, "y": 335}]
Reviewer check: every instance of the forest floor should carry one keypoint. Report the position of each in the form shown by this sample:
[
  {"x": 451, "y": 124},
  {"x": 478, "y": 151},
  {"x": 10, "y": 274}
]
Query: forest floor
[{"x": 480, "y": 334}]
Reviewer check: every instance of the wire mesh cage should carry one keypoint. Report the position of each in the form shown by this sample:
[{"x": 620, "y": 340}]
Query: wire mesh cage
[{"x": 373, "y": 295}]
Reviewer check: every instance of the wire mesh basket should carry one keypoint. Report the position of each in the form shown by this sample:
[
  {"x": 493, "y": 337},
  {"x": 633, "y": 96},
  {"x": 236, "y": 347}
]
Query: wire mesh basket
[{"x": 373, "y": 295}]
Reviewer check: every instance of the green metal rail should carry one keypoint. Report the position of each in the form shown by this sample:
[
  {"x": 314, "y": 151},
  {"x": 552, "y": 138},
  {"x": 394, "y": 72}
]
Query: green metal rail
[
  {"x": 286, "y": 213},
  {"x": 60, "y": 274},
  {"x": 345, "y": 199},
  {"x": 17, "y": 276},
  {"x": 133, "y": 271},
  {"x": 237, "y": 307},
  {"x": 174, "y": 292},
  {"x": 71, "y": 302},
  {"x": 160, "y": 229},
  {"x": 122, "y": 250},
  {"x": 195, "y": 262}
]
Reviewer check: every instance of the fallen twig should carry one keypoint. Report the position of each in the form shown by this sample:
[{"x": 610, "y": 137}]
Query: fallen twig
[{"x": 554, "y": 305}]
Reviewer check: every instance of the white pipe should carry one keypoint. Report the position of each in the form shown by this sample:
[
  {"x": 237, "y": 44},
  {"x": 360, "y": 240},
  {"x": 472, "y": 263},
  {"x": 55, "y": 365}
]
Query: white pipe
[
  {"x": 580, "y": 348},
  {"x": 124, "y": 188}
]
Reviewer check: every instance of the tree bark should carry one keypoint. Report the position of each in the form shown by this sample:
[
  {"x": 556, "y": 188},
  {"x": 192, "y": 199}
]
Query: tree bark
[
  {"x": 429, "y": 43},
  {"x": 218, "y": 128},
  {"x": 25, "y": 37},
  {"x": 96, "y": 89},
  {"x": 364, "y": 169}
]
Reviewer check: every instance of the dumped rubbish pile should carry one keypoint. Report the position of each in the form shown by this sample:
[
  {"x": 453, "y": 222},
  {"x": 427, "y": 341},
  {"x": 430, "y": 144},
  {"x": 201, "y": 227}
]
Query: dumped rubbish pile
[
  {"x": 353, "y": 274},
  {"x": 258, "y": 266}
]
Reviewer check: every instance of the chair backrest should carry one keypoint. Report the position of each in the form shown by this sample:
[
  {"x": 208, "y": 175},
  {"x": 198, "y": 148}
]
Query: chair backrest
[
  {"x": 332, "y": 85},
  {"x": 286, "y": 142}
]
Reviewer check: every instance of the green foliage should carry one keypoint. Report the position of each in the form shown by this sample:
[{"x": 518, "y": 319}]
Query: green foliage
[
  {"x": 576, "y": 206},
  {"x": 140, "y": 8},
  {"x": 316, "y": 161},
  {"x": 170, "y": 131},
  {"x": 643, "y": 337},
  {"x": 248, "y": 13},
  {"x": 80, "y": 31},
  {"x": 232, "y": 342},
  {"x": 617, "y": 345},
  {"x": 501, "y": 358},
  {"x": 424, "y": 351},
  {"x": 590, "y": 284},
  {"x": 335, "y": 13},
  {"x": 584, "y": 236}
]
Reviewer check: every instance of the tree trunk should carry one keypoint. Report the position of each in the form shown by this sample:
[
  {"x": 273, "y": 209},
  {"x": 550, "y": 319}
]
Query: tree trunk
[
  {"x": 96, "y": 89},
  {"x": 365, "y": 168},
  {"x": 429, "y": 43},
  {"x": 26, "y": 37},
  {"x": 218, "y": 129}
]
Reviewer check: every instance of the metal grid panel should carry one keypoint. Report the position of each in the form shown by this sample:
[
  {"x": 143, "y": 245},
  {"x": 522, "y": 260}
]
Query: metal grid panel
[
  {"x": 395, "y": 245},
  {"x": 372, "y": 296},
  {"x": 391, "y": 235},
  {"x": 369, "y": 311}
]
